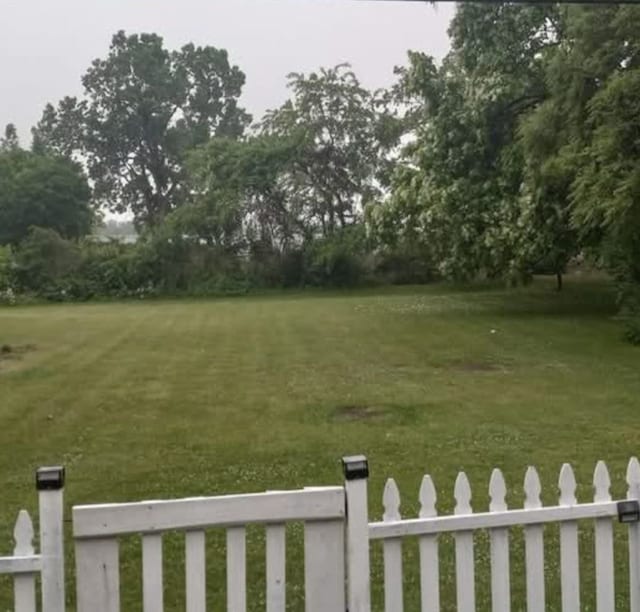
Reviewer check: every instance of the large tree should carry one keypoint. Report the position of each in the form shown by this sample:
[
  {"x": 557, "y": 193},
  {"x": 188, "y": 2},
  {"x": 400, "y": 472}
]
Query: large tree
[
  {"x": 42, "y": 191},
  {"x": 246, "y": 183},
  {"x": 304, "y": 175},
  {"x": 583, "y": 142},
  {"x": 341, "y": 132},
  {"x": 144, "y": 107},
  {"x": 458, "y": 188}
]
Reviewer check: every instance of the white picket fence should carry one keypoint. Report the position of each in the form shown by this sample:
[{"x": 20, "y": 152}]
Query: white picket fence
[
  {"x": 337, "y": 539},
  {"x": 25, "y": 565},
  {"x": 498, "y": 520}
]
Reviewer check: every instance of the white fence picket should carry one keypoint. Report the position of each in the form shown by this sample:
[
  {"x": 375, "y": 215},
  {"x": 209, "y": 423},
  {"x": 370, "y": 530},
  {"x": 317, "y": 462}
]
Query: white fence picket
[
  {"x": 152, "y": 582},
  {"x": 97, "y": 575},
  {"x": 633, "y": 492},
  {"x": 534, "y": 545},
  {"x": 604, "y": 562},
  {"x": 392, "y": 551},
  {"x": 24, "y": 593},
  {"x": 569, "y": 556},
  {"x": 276, "y": 568},
  {"x": 465, "y": 566},
  {"x": 500, "y": 572},
  {"x": 24, "y": 585},
  {"x": 195, "y": 571},
  {"x": 428, "y": 546},
  {"x": 236, "y": 570},
  {"x": 324, "y": 575}
]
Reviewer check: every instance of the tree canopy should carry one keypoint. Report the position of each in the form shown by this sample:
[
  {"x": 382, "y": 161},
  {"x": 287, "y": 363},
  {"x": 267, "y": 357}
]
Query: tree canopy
[
  {"x": 143, "y": 108},
  {"x": 42, "y": 191}
]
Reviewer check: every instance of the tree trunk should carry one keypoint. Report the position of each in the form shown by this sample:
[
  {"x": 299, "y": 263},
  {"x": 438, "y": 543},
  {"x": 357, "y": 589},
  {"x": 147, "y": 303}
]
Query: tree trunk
[{"x": 559, "y": 281}]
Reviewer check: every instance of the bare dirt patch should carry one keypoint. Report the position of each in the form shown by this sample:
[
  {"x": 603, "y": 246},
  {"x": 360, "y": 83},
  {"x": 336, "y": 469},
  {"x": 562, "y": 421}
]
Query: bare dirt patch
[
  {"x": 11, "y": 353},
  {"x": 356, "y": 412}
]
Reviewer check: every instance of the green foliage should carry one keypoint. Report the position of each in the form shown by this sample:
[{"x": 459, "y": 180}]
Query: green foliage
[
  {"x": 44, "y": 263},
  {"x": 583, "y": 143},
  {"x": 525, "y": 148},
  {"x": 629, "y": 300},
  {"x": 6, "y": 261},
  {"x": 43, "y": 191},
  {"x": 240, "y": 194},
  {"x": 405, "y": 264},
  {"x": 339, "y": 260},
  {"x": 341, "y": 134},
  {"x": 457, "y": 189},
  {"x": 144, "y": 107},
  {"x": 10, "y": 140}
]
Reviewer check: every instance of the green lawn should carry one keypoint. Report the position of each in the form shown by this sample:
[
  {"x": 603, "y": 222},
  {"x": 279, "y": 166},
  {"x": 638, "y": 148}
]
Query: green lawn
[{"x": 176, "y": 398}]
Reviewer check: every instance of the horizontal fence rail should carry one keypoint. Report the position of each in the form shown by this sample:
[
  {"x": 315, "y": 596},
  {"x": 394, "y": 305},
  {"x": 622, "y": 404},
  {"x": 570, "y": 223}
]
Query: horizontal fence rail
[
  {"x": 489, "y": 520},
  {"x": 200, "y": 512},
  {"x": 464, "y": 523}
]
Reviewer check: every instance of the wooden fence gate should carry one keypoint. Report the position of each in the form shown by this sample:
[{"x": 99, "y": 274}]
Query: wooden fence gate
[{"x": 322, "y": 510}]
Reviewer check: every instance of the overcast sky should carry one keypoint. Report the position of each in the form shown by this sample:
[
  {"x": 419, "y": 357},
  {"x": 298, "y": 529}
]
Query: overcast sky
[{"x": 46, "y": 45}]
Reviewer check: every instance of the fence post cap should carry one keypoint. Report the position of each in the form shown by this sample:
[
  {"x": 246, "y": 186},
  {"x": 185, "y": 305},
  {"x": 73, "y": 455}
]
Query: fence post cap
[
  {"x": 50, "y": 478},
  {"x": 355, "y": 467},
  {"x": 628, "y": 511}
]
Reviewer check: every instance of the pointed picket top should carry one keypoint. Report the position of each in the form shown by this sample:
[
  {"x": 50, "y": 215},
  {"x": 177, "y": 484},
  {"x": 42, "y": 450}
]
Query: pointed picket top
[
  {"x": 428, "y": 498},
  {"x": 497, "y": 492},
  {"x": 567, "y": 485},
  {"x": 532, "y": 489},
  {"x": 462, "y": 493},
  {"x": 391, "y": 501},
  {"x": 633, "y": 478},
  {"x": 23, "y": 535},
  {"x": 601, "y": 483}
]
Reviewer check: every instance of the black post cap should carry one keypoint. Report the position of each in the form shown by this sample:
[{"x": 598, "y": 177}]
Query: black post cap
[
  {"x": 50, "y": 478},
  {"x": 355, "y": 467},
  {"x": 629, "y": 511}
]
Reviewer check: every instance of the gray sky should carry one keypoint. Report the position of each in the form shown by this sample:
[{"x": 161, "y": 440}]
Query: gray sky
[{"x": 46, "y": 45}]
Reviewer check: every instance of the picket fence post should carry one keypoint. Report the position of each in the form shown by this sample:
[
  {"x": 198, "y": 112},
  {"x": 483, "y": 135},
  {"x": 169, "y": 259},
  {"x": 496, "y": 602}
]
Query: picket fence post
[
  {"x": 356, "y": 472},
  {"x": 50, "y": 486}
]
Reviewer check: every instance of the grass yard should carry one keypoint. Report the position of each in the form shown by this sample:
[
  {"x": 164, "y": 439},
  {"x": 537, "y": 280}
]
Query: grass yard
[{"x": 180, "y": 398}]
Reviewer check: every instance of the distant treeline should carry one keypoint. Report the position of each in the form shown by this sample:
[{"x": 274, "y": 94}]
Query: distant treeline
[{"x": 515, "y": 154}]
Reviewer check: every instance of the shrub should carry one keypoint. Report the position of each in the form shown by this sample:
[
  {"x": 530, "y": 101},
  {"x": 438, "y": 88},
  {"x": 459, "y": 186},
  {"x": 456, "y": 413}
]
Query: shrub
[
  {"x": 338, "y": 260},
  {"x": 44, "y": 264},
  {"x": 629, "y": 300},
  {"x": 405, "y": 265},
  {"x": 5, "y": 268},
  {"x": 7, "y": 296}
]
